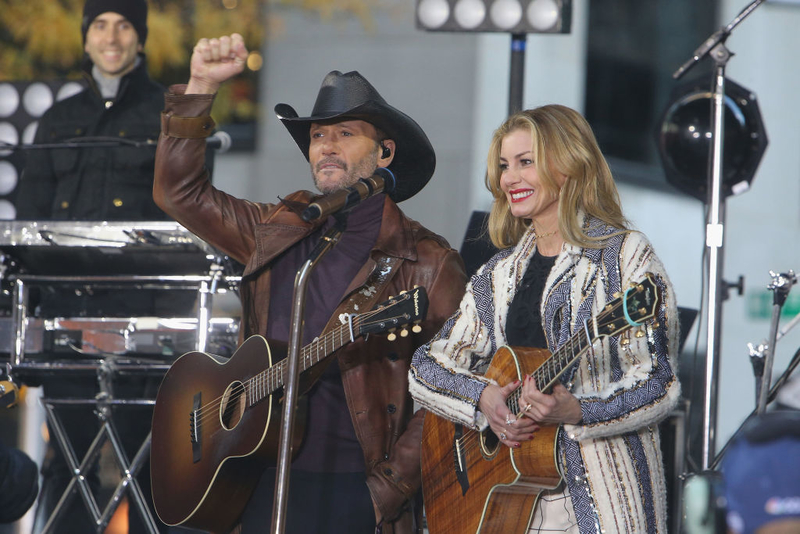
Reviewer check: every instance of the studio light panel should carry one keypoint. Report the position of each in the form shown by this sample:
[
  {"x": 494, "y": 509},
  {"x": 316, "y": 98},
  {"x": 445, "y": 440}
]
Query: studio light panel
[
  {"x": 511, "y": 16},
  {"x": 22, "y": 104}
]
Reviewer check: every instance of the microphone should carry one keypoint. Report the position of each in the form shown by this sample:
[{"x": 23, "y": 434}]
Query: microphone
[
  {"x": 220, "y": 141},
  {"x": 382, "y": 181}
]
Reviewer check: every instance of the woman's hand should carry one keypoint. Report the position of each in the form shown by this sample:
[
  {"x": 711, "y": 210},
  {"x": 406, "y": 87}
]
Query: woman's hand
[
  {"x": 502, "y": 421},
  {"x": 561, "y": 406}
]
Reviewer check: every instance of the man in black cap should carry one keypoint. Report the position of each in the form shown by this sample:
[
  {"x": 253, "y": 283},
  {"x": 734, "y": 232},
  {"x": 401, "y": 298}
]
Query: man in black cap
[
  {"x": 359, "y": 464},
  {"x": 121, "y": 102}
]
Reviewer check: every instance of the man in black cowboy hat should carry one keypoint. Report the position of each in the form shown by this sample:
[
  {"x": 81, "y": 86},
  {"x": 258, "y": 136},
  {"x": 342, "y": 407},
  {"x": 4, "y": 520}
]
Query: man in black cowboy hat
[{"x": 359, "y": 465}]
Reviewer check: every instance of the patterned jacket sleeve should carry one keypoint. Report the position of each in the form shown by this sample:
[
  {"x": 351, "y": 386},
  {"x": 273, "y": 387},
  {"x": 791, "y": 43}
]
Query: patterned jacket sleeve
[
  {"x": 443, "y": 376},
  {"x": 642, "y": 386}
]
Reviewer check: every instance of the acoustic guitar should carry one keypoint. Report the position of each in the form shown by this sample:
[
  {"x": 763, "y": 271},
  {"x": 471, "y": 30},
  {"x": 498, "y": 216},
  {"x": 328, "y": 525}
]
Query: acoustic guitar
[
  {"x": 472, "y": 483},
  {"x": 216, "y": 423}
]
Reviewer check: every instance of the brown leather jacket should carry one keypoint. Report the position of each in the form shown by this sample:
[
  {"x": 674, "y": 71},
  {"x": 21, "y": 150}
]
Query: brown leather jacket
[{"x": 374, "y": 371}]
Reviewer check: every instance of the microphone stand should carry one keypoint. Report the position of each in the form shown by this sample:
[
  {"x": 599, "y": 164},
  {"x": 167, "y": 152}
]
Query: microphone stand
[
  {"x": 781, "y": 285},
  {"x": 714, "y": 47},
  {"x": 292, "y": 374},
  {"x": 762, "y": 355},
  {"x": 84, "y": 142},
  {"x": 773, "y": 392}
]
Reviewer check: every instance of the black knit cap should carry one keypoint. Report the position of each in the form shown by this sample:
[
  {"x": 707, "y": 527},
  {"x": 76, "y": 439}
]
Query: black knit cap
[{"x": 133, "y": 10}]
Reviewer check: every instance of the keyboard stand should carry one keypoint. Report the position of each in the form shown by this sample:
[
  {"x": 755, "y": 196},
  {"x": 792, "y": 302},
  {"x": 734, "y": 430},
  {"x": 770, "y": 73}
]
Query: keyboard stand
[{"x": 107, "y": 433}]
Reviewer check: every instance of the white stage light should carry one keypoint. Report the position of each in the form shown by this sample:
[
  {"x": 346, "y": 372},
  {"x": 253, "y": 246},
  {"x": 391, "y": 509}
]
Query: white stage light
[
  {"x": 506, "y": 14},
  {"x": 67, "y": 90},
  {"x": 433, "y": 13},
  {"x": 9, "y": 177},
  {"x": 469, "y": 14},
  {"x": 9, "y": 100},
  {"x": 543, "y": 15},
  {"x": 37, "y": 99},
  {"x": 8, "y": 135}
]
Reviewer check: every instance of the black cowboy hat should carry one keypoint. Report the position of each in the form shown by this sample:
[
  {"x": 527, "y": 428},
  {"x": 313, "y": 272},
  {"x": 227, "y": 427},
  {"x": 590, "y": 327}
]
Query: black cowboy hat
[{"x": 350, "y": 96}]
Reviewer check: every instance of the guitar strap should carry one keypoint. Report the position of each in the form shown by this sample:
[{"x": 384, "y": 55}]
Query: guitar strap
[
  {"x": 365, "y": 297},
  {"x": 360, "y": 300}
]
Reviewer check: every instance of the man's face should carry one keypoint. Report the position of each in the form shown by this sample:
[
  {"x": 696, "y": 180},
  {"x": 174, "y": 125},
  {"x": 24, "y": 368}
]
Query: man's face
[
  {"x": 341, "y": 153},
  {"x": 112, "y": 43}
]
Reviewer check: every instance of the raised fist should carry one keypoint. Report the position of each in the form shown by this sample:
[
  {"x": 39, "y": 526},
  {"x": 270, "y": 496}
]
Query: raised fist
[{"x": 214, "y": 61}]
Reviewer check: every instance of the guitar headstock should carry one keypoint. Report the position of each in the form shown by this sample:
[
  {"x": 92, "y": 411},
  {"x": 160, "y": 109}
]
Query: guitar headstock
[
  {"x": 633, "y": 307},
  {"x": 407, "y": 308}
]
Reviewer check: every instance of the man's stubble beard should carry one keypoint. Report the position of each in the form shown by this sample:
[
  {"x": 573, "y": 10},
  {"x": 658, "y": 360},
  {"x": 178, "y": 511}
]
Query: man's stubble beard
[{"x": 364, "y": 168}]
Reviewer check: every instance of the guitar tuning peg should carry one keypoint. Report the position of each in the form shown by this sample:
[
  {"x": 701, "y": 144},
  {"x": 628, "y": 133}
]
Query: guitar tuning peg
[
  {"x": 416, "y": 329},
  {"x": 403, "y": 292},
  {"x": 625, "y": 341},
  {"x": 656, "y": 324},
  {"x": 639, "y": 334},
  {"x": 392, "y": 336},
  {"x": 403, "y": 333}
]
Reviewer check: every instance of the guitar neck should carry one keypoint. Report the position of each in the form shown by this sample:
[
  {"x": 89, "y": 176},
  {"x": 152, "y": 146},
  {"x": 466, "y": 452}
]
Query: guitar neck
[
  {"x": 566, "y": 355},
  {"x": 549, "y": 372},
  {"x": 630, "y": 309},
  {"x": 266, "y": 382}
]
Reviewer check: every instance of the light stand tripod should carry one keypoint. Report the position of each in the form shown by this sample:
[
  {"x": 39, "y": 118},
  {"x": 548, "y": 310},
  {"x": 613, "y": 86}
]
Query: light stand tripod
[
  {"x": 714, "y": 47},
  {"x": 516, "y": 76}
]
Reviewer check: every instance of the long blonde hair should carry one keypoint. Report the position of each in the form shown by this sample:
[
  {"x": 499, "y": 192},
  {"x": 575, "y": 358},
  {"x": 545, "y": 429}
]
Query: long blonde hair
[{"x": 563, "y": 144}]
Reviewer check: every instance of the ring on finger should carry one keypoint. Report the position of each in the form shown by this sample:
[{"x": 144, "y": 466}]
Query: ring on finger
[
  {"x": 509, "y": 419},
  {"x": 526, "y": 408},
  {"x": 502, "y": 436}
]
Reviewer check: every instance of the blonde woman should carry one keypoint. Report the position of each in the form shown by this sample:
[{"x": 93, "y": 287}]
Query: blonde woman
[{"x": 566, "y": 251}]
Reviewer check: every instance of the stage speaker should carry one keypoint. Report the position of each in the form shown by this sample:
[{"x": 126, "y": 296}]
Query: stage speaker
[{"x": 22, "y": 104}]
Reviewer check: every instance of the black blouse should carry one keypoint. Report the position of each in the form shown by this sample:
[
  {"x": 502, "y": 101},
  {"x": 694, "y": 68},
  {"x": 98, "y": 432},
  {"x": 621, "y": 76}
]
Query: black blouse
[{"x": 524, "y": 321}]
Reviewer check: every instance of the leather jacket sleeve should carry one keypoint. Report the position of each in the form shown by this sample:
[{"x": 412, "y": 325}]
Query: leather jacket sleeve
[
  {"x": 395, "y": 481},
  {"x": 182, "y": 187}
]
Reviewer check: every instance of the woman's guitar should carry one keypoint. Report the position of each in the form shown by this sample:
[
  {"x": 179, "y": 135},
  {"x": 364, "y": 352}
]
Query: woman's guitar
[
  {"x": 216, "y": 423},
  {"x": 472, "y": 483}
]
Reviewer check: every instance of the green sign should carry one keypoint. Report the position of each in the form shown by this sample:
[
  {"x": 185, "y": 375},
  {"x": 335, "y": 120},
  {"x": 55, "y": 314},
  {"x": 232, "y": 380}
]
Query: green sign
[{"x": 759, "y": 305}]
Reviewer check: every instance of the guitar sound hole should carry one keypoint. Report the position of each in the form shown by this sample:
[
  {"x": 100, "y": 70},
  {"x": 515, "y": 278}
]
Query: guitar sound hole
[
  {"x": 232, "y": 405},
  {"x": 489, "y": 444}
]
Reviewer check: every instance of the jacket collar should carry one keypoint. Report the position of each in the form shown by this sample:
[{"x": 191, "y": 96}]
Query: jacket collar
[
  {"x": 394, "y": 239},
  {"x": 138, "y": 74},
  {"x": 285, "y": 228},
  {"x": 396, "y": 236}
]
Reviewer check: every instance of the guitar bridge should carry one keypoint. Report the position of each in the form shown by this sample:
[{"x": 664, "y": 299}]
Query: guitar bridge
[
  {"x": 460, "y": 459},
  {"x": 195, "y": 428}
]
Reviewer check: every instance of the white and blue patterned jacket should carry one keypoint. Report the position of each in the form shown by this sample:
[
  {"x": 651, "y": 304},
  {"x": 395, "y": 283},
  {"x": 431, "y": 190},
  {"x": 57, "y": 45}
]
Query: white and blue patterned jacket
[{"x": 611, "y": 460}]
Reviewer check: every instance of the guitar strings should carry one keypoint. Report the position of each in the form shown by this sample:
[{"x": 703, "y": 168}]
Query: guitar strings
[
  {"x": 268, "y": 380},
  {"x": 551, "y": 366},
  {"x": 547, "y": 373},
  {"x": 265, "y": 379}
]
